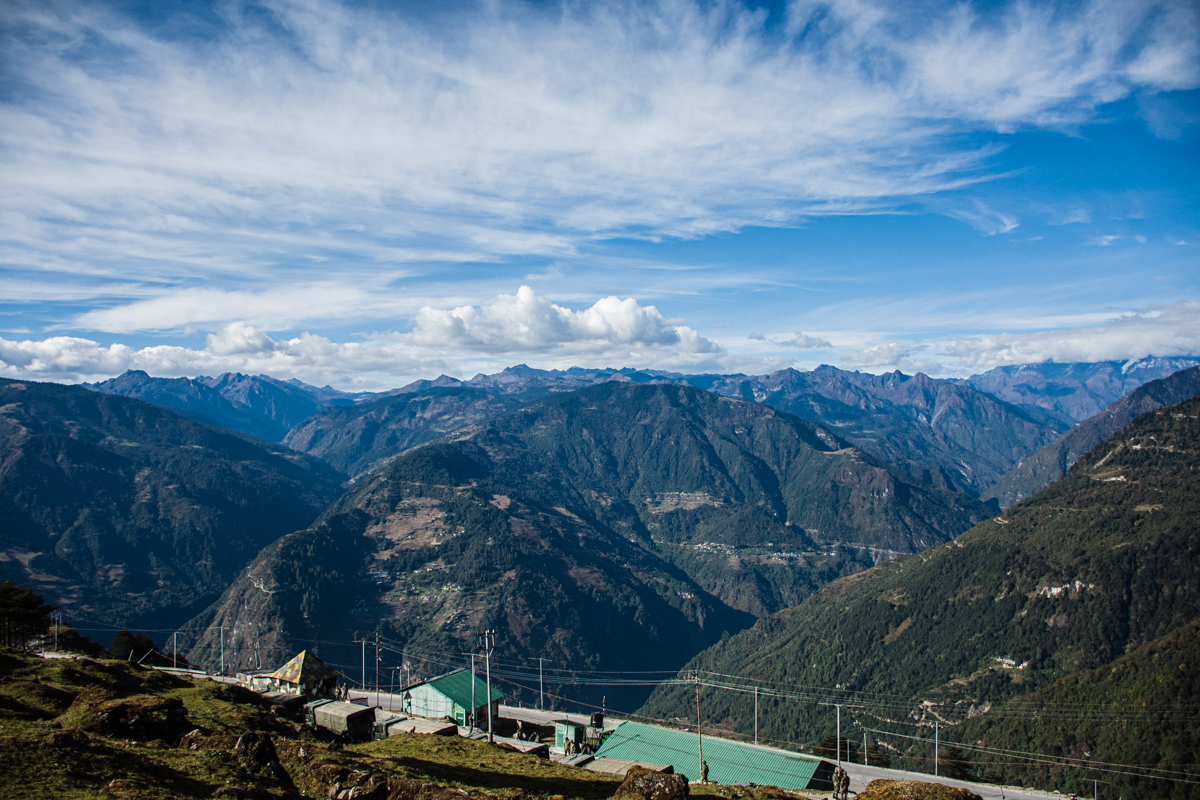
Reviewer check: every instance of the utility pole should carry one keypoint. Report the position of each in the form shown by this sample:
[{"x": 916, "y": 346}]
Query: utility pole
[
  {"x": 377, "y": 669},
  {"x": 541, "y": 686},
  {"x": 864, "y": 748},
  {"x": 364, "y": 664},
  {"x": 839, "y": 730},
  {"x": 756, "y": 715},
  {"x": 474, "y": 705},
  {"x": 699, "y": 726},
  {"x": 57, "y": 620},
  {"x": 935, "y": 748},
  {"x": 222, "y": 630},
  {"x": 488, "y": 644},
  {"x": 175, "y": 653}
]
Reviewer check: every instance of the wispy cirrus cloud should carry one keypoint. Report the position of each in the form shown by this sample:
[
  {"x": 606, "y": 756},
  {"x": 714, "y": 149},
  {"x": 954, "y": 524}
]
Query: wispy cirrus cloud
[{"x": 318, "y": 131}]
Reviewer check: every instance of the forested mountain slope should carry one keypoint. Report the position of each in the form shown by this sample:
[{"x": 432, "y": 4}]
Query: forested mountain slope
[
  {"x": 1047, "y": 465},
  {"x": 585, "y": 522},
  {"x": 1095, "y": 566},
  {"x": 1131, "y": 724},
  {"x": 122, "y": 510}
]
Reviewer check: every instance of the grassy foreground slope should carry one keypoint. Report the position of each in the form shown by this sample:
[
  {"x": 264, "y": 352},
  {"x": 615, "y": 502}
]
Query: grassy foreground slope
[
  {"x": 86, "y": 729},
  {"x": 1092, "y": 568}
]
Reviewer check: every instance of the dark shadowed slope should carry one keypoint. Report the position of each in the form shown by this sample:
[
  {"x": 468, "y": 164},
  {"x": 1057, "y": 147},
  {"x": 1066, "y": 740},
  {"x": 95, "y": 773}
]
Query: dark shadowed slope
[
  {"x": 1042, "y": 468},
  {"x": 612, "y": 527},
  {"x": 1094, "y": 566},
  {"x": 124, "y": 511}
]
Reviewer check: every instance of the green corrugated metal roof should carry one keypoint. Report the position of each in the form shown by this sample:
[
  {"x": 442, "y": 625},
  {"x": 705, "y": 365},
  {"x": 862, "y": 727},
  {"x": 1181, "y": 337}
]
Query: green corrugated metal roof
[
  {"x": 728, "y": 762},
  {"x": 457, "y": 686}
]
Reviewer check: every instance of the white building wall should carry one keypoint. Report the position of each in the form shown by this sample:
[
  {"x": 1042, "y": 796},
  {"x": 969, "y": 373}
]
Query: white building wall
[{"x": 426, "y": 702}]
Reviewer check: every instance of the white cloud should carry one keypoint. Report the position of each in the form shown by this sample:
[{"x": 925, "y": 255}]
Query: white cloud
[
  {"x": 237, "y": 348},
  {"x": 525, "y": 322},
  {"x": 984, "y": 219},
  {"x": 524, "y": 326},
  {"x": 351, "y": 132},
  {"x": 1165, "y": 330},
  {"x": 802, "y": 341},
  {"x": 880, "y": 355},
  {"x": 273, "y": 309}
]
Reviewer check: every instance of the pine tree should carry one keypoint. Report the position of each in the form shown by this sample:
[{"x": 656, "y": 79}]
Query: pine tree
[{"x": 23, "y": 615}]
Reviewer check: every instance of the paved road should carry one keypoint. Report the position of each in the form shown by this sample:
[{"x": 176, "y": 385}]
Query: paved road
[{"x": 860, "y": 776}]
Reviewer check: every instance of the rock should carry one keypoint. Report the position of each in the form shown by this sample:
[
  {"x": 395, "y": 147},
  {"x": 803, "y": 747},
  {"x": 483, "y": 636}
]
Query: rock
[
  {"x": 646, "y": 784},
  {"x": 257, "y": 748},
  {"x": 197, "y": 740},
  {"x": 406, "y": 789},
  {"x": 914, "y": 790},
  {"x": 141, "y": 717},
  {"x": 239, "y": 793}
]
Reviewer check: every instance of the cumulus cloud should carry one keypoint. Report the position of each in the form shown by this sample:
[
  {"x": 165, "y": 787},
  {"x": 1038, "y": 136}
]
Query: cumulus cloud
[
  {"x": 612, "y": 331},
  {"x": 1163, "y": 330},
  {"x": 326, "y": 130},
  {"x": 525, "y": 322},
  {"x": 237, "y": 348}
]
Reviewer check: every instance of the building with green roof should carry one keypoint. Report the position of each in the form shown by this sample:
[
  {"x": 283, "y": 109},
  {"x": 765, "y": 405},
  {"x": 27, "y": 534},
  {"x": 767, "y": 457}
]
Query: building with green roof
[
  {"x": 456, "y": 696},
  {"x": 728, "y": 762}
]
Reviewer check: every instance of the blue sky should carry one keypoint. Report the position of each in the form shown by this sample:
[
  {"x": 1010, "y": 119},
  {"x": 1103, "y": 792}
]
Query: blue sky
[{"x": 367, "y": 193}]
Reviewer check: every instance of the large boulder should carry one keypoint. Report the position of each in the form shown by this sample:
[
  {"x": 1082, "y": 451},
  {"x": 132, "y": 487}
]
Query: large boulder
[
  {"x": 914, "y": 790},
  {"x": 646, "y": 784},
  {"x": 142, "y": 717}
]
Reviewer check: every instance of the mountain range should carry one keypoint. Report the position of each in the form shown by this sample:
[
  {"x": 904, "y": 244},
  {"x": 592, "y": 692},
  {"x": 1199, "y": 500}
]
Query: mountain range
[
  {"x": 1036, "y": 471},
  {"x": 962, "y": 435},
  {"x": 1045, "y": 627},
  {"x": 578, "y": 524},
  {"x": 121, "y": 510},
  {"x": 1074, "y": 391},
  {"x": 259, "y": 405}
]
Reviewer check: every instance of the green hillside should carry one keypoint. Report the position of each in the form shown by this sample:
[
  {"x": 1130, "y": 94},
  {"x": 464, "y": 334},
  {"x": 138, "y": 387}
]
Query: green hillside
[
  {"x": 619, "y": 514},
  {"x": 1142, "y": 710},
  {"x": 130, "y": 514},
  {"x": 1093, "y": 567}
]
